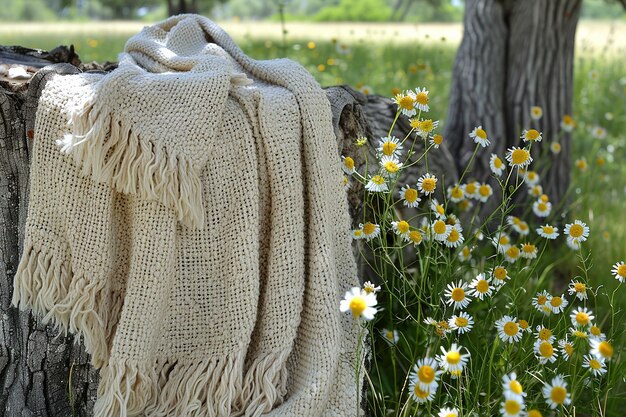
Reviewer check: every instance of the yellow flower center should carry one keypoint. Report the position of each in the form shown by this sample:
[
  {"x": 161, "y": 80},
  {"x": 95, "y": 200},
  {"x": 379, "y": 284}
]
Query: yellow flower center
[
  {"x": 497, "y": 162},
  {"x": 482, "y": 286},
  {"x": 582, "y": 318},
  {"x": 512, "y": 252},
  {"x": 419, "y": 393},
  {"x": 545, "y": 334},
  {"x": 542, "y": 299},
  {"x": 579, "y": 334},
  {"x": 405, "y": 102},
  {"x": 415, "y": 236},
  {"x": 542, "y": 206},
  {"x": 546, "y": 349},
  {"x": 544, "y": 198},
  {"x": 457, "y": 192},
  {"x": 391, "y": 167},
  {"x": 454, "y": 236},
  {"x": 556, "y": 301},
  {"x": 403, "y": 226},
  {"x": 528, "y": 248},
  {"x": 437, "y": 139},
  {"x": 484, "y": 190},
  {"x": 605, "y": 349},
  {"x": 429, "y": 184},
  {"x": 510, "y": 328},
  {"x": 439, "y": 227},
  {"x": 453, "y": 357},
  {"x": 410, "y": 195},
  {"x": 569, "y": 348},
  {"x": 426, "y": 374},
  {"x": 458, "y": 294},
  {"x": 470, "y": 188},
  {"x": 519, "y": 156},
  {"x": 595, "y": 330},
  {"x": 558, "y": 395},
  {"x": 556, "y": 147},
  {"x": 422, "y": 98},
  {"x": 460, "y": 321},
  {"x": 500, "y": 273},
  {"x": 576, "y": 230},
  {"x": 504, "y": 240},
  {"x": 426, "y": 125},
  {"x": 523, "y": 324},
  {"x": 512, "y": 406},
  {"x": 389, "y": 148},
  {"x": 357, "y": 305},
  {"x": 580, "y": 287},
  {"x": 621, "y": 270},
  {"x": 378, "y": 180},
  {"x": 389, "y": 335},
  {"x": 548, "y": 230},
  {"x": 534, "y": 413},
  {"x": 515, "y": 386},
  {"x": 369, "y": 228},
  {"x": 348, "y": 162},
  {"x": 595, "y": 364},
  {"x": 440, "y": 209},
  {"x": 481, "y": 133},
  {"x": 451, "y": 415},
  {"x": 532, "y": 134},
  {"x": 568, "y": 120}
]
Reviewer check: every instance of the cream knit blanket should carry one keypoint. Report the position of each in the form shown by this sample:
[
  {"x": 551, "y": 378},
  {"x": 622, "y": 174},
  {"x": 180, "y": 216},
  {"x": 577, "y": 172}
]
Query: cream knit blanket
[{"x": 190, "y": 224}]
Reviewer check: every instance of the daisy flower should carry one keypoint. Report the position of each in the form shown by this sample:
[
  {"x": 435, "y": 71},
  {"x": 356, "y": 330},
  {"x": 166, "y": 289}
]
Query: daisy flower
[
  {"x": 508, "y": 329},
  {"x": 511, "y": 385},
  {"x": 536, "y": 112},
  {"x": 420, "y": 395},
  {"x": 480, "y": 287},
  {"x": 456, "y": 193},
  {"x": 501, "y": 241},
  {"x": 581, "y": 164},
  {"x": 541, "y": 301},
  {"x": 480, "y": 136},
  {"x": 436, "y": 141},
  {"x": 531, "y": 178},
  {"x": 406, "y": 103},
  {"x": 457, "y": 295},
  {"x": 425, "y": 374},
  {"x": 465, "y": 254},
  {"x": 531, "y": 135},
  {"x": 427, "y": 183},
  {"x": 524, "y": 326},
  {"x": 556, "y": 393},
  {"x": 347, "y": 165},
  {"x": 496, "y": 165},
  {"x": 542, "y": 209},
  {"x": 421, "y": 99},
  {"x": 389, "y": 146},
  {"x": 567, "y": 348},
  {"x": 528, "y": 251},
  {"x": 534, "y": 413},
  {"x": 557, "y": 303},
  {"x": 357, "y": 234},
  {"x": 409, "y": 196},
  {"x": 441, "y": 230},
  {"x": 578, "y": 334},
  {"x": 598, "y": 132},
  {"x": 518, "y": 157},
  {"x": 578, "y": 288},
  {"x": 581, "y": 316},
  {"x": 360, "y": 303},
  {"x": 535, "y": 190},
  {"x": 596, "y": 333},
  {"x": 484, "y": 192},
  {"x": 452, "y": 360},
  {"x": 548, "y": 232},
  {"x": 414, "y": 237},
  {"x": 555, "y": 147},
  {"x": 376, "y": 184},
  {"x": 462, "y": 323},
  {"x": 596, "y": 365},
  {"x": 370, "y": 230},
  {"x": 455, "y": 238},
  {"x": 544, "y": 334},
  {"x": 567, "y": 123},
  {"x": 576, "y": 232},
  {"x": 471, "y": 189},
  {"x": 513, "y": 405},
  {"x": 370, "y": 288},
  {"x": 601, "y": 349},
  {"x": 448, "y": 412},
  {"x": 390, "y": 165},
  {"x": 512, "y": 254},
  {"x": 619, "y": 271},
  {"x": 390, "y": 336},
  {"x": 425, "y": 127},
  {"x": 544, "y": 352},
  {"x": 438, "y": 209},
  {"x": 400, "y": 227}
]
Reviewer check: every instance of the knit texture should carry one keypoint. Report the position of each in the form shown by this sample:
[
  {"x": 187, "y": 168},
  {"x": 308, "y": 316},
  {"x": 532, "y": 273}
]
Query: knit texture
[{"x": 190, "y": 225}]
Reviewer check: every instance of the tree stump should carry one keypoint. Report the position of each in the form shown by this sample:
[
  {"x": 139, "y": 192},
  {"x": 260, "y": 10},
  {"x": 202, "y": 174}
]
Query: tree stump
[{"x": 48, "y": 376}]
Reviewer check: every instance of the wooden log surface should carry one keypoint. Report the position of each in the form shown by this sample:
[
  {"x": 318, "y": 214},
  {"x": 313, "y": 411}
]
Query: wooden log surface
[{"x": 35, "y": 364}]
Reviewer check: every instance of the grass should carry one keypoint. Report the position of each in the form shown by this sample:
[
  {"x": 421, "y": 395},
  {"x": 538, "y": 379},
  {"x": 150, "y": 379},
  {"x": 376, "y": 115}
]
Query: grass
[{"x": 597, "y": 195}]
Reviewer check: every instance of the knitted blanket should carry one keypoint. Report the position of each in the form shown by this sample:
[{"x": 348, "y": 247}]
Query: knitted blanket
[{"x": 190, "y": 225}]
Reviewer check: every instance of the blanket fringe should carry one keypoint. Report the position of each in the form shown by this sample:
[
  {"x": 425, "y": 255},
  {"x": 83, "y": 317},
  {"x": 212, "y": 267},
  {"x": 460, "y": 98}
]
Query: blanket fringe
[
  {"x": 105, "y": 147},
  {"x": 47, "y": 286},
  {"x": 212, "y": 387}
]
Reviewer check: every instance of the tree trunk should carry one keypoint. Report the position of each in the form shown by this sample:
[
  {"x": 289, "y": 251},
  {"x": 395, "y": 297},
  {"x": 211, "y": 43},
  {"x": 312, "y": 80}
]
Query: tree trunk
[
  {"x": 34, "y": 364},
  {"x": 514, "y": 55}
]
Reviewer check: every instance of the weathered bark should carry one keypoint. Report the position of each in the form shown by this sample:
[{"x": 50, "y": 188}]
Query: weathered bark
[
  {"x": 513, "y": 55},
  {"x": 34, "y": 365}
]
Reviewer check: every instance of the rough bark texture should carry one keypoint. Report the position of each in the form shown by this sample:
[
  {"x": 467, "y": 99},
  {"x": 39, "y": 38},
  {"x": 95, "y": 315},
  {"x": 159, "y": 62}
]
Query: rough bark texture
[
  {"x": 34, "y": 363},
  {"x": 514, "y": 55}
]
